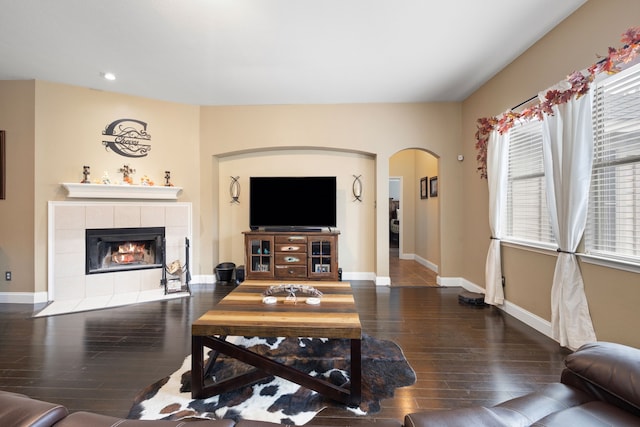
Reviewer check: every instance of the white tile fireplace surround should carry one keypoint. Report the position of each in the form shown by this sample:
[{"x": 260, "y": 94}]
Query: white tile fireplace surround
[{"x": 67, "y": 281}]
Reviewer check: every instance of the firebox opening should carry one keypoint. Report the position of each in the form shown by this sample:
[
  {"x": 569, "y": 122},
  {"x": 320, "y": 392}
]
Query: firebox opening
[{"x": 123, "y": 249}]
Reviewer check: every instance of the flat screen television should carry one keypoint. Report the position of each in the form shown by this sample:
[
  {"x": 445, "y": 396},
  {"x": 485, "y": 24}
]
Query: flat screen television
[{"x": 292, "y": 202}]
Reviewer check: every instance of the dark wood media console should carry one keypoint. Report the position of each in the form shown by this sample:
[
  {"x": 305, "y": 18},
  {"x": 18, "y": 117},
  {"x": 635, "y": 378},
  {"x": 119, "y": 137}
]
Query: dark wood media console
[{"x": 282, "y": 255}]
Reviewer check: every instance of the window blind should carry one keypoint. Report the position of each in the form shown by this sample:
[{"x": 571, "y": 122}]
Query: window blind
[
  {"x": 527, "y": 215},
  {"x": 613, "y": 224}
]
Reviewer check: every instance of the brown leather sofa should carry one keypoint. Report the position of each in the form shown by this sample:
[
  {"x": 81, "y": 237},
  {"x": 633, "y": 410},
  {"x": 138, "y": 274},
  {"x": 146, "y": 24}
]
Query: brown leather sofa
[
  {"x": 600, "y": 386},
  {"x": 18, "y": 410}
]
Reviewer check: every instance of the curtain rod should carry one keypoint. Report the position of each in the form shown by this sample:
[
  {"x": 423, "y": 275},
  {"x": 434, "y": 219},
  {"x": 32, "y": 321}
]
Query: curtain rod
[
  {"x": 524, "y": 102},
  {"x": 535, "y": 96}
]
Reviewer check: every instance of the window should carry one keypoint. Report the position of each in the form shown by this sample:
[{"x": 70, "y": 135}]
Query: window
[
  {"x": 527, "y": 218},
  {"x": 613, "y": 226}
]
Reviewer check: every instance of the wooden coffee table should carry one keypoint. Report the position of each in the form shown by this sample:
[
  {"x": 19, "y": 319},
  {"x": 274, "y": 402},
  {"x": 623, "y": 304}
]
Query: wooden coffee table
[{"x": 242, "y": 313}]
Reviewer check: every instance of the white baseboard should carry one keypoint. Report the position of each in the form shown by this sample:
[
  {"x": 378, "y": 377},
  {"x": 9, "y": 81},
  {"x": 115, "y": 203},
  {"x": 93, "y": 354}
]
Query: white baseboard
[
  {"x": 364, "y": 275},
  {"x": 205, "y": 279},
  {"x": 426, "y": 263},
  {"x": 422, "y": 261},
  {"x": 452, "y": 282},
  {"x": 23, "y": 297},
  {"x": 536, "y": 322},
  {"x": 383, "y": 281}
]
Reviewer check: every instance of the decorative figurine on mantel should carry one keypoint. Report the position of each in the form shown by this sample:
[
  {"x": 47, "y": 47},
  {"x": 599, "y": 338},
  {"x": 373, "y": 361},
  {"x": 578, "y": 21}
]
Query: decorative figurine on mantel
[
  {"x": 146, "y": 181},
  {"x": 86, "y": 172},
  {"x": 126, "y": 170},
  {"x": 167, "y": 179},
  {"x": 105, "y": 178}
]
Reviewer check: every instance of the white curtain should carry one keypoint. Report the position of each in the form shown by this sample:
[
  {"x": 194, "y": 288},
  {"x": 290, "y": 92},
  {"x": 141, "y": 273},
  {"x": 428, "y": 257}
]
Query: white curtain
[
  {"x": 568, "y": 157},
  {"x": 497, "y": 170}
]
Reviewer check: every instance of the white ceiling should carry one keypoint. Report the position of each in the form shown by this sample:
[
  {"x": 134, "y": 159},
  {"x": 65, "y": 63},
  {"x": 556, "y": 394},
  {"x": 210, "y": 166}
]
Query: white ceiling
[{"x": 243, "y": 52}]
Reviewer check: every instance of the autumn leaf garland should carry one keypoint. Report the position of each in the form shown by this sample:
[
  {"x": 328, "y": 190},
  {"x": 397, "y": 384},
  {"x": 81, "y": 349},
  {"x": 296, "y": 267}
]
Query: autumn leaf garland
[{"x": 579, "y": 85}]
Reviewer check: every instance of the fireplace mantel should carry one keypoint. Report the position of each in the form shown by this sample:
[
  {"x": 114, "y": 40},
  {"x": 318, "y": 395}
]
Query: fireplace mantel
[{"x": 111, "y": 191}]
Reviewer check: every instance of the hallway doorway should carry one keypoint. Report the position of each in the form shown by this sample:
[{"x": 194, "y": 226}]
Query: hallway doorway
[
  {"x": 395, "y": 194},
  {"x": 414, "y": 219}
]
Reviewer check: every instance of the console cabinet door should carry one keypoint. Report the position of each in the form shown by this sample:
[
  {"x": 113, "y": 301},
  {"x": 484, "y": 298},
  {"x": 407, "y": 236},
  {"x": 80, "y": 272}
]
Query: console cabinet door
[
  {"x": 260, "y": 258},
  {"x": 323, "y": 258}
]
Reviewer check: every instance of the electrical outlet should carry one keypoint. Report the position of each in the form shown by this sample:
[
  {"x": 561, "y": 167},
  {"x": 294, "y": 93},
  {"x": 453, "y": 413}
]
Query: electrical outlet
[{"x": 7, "y": 276}]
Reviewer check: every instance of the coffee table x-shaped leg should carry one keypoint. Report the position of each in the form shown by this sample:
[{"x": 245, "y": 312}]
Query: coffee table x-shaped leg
[{"x": 202, "y": 386}]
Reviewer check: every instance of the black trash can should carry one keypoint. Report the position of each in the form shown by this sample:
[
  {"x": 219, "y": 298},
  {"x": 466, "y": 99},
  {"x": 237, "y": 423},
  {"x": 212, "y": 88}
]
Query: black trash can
[
  {"x": 224, "y": 272},
  {"x": 240, "y": 274}
]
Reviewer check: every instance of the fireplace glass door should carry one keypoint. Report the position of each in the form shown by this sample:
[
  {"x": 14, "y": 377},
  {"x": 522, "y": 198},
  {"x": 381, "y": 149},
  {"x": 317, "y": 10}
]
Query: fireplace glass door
[{"x": 118, "y": 249}]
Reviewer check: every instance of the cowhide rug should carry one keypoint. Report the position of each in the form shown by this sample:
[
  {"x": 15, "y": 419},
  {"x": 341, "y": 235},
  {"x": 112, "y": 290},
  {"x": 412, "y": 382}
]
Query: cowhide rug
[{"x": 384, "y": 368}]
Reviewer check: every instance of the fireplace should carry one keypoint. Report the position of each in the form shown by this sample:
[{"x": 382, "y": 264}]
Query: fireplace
[{"x": 123, "y": 249}]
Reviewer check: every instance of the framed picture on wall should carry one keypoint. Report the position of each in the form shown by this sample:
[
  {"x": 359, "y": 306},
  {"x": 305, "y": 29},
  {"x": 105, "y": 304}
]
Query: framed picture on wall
[
  {"x": 433, "y": 186},
  {"x": 423, "y": 188},
  {"x": 323, "y": 268}
]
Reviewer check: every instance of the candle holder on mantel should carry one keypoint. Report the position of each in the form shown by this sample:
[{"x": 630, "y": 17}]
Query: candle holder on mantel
[
  {"x": 126, "y": 170},
  {"x": 86, "y": 172},
  {"x": 167, "y": 179}
]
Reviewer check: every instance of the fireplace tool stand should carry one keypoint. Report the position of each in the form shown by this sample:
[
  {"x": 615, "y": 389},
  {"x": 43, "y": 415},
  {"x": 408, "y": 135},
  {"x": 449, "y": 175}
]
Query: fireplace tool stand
[{"x": 175, "y": 277}]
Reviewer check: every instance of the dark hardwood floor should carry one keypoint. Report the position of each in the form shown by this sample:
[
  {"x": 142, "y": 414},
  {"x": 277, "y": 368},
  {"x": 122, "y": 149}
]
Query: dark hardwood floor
[
  {"x": 99, "y": 360},
  {"x": 404, "y": 272}
]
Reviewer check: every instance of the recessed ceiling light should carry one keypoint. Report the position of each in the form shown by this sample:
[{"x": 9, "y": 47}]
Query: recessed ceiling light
[{"x": 109, "y": 76}]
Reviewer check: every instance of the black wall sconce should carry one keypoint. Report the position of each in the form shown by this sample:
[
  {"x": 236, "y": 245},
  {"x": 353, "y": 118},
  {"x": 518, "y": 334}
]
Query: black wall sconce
[
  {"x": 234, "y": 189},
  {"x": 356, "y": 188}
]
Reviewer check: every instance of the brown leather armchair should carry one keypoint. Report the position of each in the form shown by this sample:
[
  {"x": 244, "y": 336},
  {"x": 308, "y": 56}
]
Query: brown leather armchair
[{"x": 600, "y": 386}]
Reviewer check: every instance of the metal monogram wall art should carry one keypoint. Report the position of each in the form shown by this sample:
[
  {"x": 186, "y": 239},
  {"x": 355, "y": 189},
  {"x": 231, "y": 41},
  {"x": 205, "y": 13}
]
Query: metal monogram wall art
[{"x": 127, "y": 137}]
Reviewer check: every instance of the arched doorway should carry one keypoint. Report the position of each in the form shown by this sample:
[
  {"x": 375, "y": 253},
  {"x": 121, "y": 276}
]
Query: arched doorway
[
  {"x": 416, "y": 258},
  {"x": 395, "y": 198}
]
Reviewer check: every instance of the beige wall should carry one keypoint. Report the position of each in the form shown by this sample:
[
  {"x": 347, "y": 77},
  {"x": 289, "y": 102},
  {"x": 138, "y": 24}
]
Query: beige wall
[
  {"x": 572, "y": 45},
  {"x": 428, "y": 212},
  {"x": 355, "y": 219},
  {"x": 68, "y": 134},
  {"x": 17, "y": 238},
  {"x": 60, "y": 131},
  {"x": 373, "y": 130}
]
